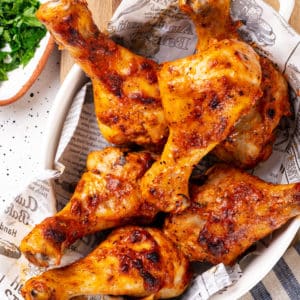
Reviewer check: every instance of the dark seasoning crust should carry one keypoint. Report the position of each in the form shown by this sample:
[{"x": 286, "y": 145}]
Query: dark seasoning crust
[
  {"x": 143, "y": 261},
  {"x": 236, "y": 209},
  {"x": 257, "y": 130},
  {"x": 57, "y": 231},
  {"x": 102, "y": 56},
  {"x": 101, "y": 45}
]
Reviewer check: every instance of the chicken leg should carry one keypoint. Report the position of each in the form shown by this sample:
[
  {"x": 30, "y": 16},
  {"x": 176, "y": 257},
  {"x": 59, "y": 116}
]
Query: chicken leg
[
  {"x": 251, "y": 140},
  {"x": 203, "y": 96},
  {"x": 106, "y": 196},
  {"x": 230, "y": 212},
  {"x": 126, "y": 93},
  {"x": 133, "y": 261}
]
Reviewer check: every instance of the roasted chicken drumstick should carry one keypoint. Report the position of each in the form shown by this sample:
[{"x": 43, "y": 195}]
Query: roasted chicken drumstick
[
  {"x": 126, "y": 93},
  {"x": 251, "y": 140},
  {"x": 203, "y": 96},
  {"x": 133, "y": 261},
  {"x": 107, "y": 195},
  {"x": 212, "y": 21},
  {"x": 230, "y": 212}
]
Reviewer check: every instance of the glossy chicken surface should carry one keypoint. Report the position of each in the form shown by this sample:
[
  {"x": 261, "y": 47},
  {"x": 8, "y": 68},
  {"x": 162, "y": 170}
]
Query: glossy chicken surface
[
  {"x": 126, "y": 93},
  {"x": 212, "y": 21},
  {"x": 106, "y": 196},
  {"x": 203, "y": 97},
  {"x": 230, "y": 212},
  {"x": 253, "y": 136},
  {"x": 133, "y": 261}
]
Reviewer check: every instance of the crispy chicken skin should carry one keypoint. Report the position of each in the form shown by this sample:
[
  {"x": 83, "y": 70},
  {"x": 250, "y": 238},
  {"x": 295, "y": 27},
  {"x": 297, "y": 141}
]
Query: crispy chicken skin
[
  {"x": 126, "y": 93},
  {"x": 253, "y": 136},
  {"x": 230, "y": 212},
  {"x": 203, "y": 96},
  {"x": 132, "y": 261},
  {"x": 211, "y": 19},
  {"x": 106, "y": 196}
]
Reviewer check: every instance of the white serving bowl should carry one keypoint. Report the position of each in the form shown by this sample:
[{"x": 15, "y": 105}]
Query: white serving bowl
[{"x": 21, "y": 79}]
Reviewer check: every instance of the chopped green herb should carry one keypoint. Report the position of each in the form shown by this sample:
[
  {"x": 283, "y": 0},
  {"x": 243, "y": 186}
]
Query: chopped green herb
[{"x": 20, "y": 34}]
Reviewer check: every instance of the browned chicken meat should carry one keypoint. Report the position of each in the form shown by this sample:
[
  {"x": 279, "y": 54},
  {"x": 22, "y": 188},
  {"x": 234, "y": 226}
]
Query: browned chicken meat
[
  {"x": 126, "y": 93},
  {"x": 133, "y": 261},
  {"x": 230, "y": 212},
  {"x": 252, "y": 138},
  {"x": 127, "y": 99},
  {"x": 203, "y": 97},
  {"x": 107, "y": 195}
]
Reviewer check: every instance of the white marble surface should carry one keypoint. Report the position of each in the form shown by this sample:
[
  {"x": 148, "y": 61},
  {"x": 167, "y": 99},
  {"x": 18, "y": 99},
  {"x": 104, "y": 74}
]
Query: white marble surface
[{"x": 22, "y": 127}]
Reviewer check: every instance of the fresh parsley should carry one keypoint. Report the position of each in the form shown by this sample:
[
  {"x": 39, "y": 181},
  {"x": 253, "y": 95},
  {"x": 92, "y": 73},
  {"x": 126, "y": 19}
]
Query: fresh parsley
[{"x": 20, "y": 34}]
